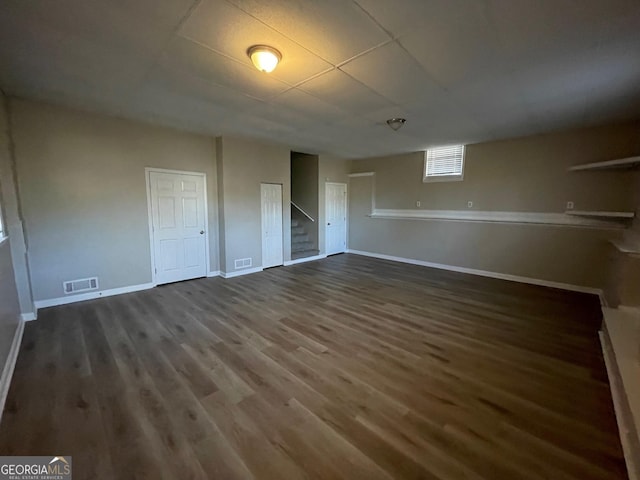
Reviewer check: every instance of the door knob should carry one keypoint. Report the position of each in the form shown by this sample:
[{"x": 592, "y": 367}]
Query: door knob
[
  {"x": 329, "y": 223},
  {"x": 201, "y": 232}
]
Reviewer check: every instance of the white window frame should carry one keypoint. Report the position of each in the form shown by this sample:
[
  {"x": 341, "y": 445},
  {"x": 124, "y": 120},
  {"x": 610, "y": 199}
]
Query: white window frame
[{"x": 451, "y": 177}]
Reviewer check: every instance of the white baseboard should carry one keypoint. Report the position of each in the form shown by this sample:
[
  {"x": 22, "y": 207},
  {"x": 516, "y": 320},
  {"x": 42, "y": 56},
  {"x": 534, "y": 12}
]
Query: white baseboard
[
  {"x": 305, "y": 259},
  {"x": 52, "y": 302},
  {"x": 214, "y": 274},
  {"x": 28, "y": 317},
  {"x": 603, "y": 299},
  {"x": 239, "y": 273},
  {"x": 485, "y": 273},
  {"x": 10, "y": 365}
]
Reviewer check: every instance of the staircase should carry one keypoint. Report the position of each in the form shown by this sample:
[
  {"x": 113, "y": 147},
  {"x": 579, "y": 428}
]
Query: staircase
[{"x": 301, "y": 244}]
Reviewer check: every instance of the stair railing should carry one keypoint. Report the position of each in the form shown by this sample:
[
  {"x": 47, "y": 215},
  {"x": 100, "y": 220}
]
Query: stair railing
[{"x": 303, "y": 212}]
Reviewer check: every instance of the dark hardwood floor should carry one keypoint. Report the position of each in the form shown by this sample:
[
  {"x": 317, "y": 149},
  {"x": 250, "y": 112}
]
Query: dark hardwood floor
[{"x": 348, "y": 367}]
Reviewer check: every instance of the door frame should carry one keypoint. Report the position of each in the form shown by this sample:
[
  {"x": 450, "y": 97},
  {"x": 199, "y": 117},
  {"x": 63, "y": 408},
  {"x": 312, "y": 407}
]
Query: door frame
[
  {"x": 346, "y": 216},
  {"x": 147, "y": 176},
  {"x": 282, "y": 210}
]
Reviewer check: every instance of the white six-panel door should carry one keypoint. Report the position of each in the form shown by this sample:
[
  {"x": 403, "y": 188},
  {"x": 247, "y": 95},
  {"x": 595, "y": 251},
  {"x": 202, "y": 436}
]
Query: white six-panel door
[
  {"x": 272, "y": 225},
  {"x": 178, "y": 224},
  {"x": 336, "y": 213}
]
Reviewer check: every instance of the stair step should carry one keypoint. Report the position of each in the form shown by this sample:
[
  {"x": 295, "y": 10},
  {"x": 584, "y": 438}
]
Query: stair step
[
  {"x": 304, "y": 254},
  {"x": 301, "y": 246}
]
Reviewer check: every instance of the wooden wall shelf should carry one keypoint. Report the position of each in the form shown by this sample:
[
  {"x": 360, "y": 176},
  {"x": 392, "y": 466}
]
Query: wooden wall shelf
[
  {"x": 629, "y": 162},
  {"x": 601, "y": 214},
  {"x": 626, "y": 247}
]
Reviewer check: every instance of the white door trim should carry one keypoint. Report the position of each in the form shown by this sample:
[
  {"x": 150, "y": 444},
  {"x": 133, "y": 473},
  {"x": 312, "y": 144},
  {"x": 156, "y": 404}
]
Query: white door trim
[
  {"x": 346, "y": 214},
  {"x": 262, "y": 229},
  {"x": 147, "y": 175},
  {"x": 10, "y": 365}
]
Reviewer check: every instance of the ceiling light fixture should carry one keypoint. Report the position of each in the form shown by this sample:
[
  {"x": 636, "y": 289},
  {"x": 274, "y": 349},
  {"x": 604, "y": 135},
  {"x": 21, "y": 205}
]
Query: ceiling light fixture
[
  {"x": 264, "y": 58},
  {"x": 396, "y": 123}
]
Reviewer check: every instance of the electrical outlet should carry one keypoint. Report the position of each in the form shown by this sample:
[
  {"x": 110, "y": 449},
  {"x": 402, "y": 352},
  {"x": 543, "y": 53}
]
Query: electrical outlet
[
  {"x": 469, "y": 204},
  {"x": 569, "y": 205},
  {"x": 418, "y": 203}
]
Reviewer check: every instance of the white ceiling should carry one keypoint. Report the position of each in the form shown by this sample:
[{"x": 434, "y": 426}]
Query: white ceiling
[{"x": 458, "y": 70}]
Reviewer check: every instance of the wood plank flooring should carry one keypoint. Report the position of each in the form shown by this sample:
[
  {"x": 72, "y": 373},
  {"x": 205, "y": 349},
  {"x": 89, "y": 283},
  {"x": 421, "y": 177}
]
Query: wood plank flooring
[{"x": 348, "y": 367}]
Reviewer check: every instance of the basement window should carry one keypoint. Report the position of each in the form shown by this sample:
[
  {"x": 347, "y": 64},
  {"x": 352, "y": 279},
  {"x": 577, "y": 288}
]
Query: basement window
[{"x": 444, "y": 164}]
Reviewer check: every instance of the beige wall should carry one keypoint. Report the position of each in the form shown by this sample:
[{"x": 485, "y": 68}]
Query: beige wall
[
  {"x": 220, "y": 192},
  {"x": 635, "y": 226},
  {"x": 245, "y": 164},
  {"x": 9, "y": 300},
  {"x": 623, "y": 285},
  {"x": 527, "y": 174},
  {"x": 11, "y": 213},
  {"x": 82, "y": 188},
  {"x": 330, "y": 170},
  {"x": 83, "y": 198}
]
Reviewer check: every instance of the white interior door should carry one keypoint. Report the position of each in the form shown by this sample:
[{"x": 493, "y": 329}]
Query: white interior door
[
  {"x": 272, "y": 233},
  {"x": 336, "y": 213},
  {"x": 178, "y": 223}
]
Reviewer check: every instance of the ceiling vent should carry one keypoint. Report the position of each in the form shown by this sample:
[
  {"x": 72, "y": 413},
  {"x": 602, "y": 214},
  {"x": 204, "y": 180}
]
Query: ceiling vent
[{"x": 80, "y": 285}]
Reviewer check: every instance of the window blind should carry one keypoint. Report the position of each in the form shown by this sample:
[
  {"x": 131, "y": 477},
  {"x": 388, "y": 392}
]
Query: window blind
[{"x": 444, "y": 161}]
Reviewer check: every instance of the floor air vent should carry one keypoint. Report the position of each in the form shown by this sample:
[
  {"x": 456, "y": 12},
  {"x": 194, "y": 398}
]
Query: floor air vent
[
  {"x": 80, "y": 285},
  {"x": 243, "y": 263}
]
